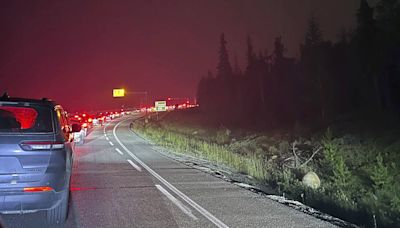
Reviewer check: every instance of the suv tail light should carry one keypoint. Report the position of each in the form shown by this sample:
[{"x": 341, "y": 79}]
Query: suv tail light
[
  {"x": 42, "y": 145},
  {"x": 38, "y": 189}
]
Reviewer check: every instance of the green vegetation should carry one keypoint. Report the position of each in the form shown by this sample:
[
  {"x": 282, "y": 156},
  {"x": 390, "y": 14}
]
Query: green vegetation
[{"x": 359, "y": 174}]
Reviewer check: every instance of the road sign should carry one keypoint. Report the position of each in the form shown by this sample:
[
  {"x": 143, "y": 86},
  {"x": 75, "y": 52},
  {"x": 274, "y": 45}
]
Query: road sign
[
  {"x": 160, "y": 106},
  {"x": 118, "y": 92}
]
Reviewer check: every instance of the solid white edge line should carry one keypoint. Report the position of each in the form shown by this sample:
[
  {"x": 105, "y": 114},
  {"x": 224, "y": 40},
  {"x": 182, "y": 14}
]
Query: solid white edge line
[
  {"x": 196, "y": 206},
  {"x": 119, "y": 151},
  {"x": 112, "y": 144},
  {"x": 134, "y": 165},
  {"x": 178, "y": 203}
]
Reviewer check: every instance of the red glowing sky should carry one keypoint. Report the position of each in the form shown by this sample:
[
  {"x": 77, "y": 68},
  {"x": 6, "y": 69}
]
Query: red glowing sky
[{"x": 77, "y": 51}]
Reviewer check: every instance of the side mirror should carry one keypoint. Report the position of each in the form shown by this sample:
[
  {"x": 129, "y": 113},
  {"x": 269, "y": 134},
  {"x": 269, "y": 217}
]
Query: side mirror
[{"x": 76, "y": 127}]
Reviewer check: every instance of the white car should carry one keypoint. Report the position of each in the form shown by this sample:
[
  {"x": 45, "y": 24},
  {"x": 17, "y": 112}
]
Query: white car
[{"x": 79, "y": 137}]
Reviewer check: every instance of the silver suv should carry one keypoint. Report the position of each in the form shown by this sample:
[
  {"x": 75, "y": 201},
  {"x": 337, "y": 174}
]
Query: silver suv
[{"x": 36, "y": 150}]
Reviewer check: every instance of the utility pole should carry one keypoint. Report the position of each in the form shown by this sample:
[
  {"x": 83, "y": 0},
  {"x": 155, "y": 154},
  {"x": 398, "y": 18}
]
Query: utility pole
[{"x": 145, "y": 93}]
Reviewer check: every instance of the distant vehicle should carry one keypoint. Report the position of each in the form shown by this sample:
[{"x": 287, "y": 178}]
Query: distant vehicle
[
  {"x": 84, "y": 120},
  {"x": 95, "y": 122},
  {"x": 79, "y": 137},
  {"x": 36, "y": 156}
]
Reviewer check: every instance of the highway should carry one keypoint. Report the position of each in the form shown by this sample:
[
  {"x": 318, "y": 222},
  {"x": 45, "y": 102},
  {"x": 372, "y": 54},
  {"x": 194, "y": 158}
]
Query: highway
[{"x": 119, "y": 180}]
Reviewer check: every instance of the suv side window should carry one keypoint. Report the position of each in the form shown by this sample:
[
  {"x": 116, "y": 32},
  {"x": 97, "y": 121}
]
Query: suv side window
[{"x": 63, "y": 120}]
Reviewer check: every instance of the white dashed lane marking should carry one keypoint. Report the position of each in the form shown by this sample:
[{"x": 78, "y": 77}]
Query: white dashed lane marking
[
  {"x": 119, "y": 151},
  {"x": 134, "y": 165}
]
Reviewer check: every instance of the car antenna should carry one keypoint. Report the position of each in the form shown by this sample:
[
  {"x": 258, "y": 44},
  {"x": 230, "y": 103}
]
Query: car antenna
[{"x": 5, "y": 95}]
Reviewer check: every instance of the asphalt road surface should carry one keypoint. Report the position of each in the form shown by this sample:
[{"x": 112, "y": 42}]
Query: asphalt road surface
[{"x": 119, "y": 180}]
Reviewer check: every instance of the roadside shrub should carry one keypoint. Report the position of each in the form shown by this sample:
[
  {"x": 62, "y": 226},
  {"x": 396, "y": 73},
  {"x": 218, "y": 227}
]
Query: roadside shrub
[
  {"x": 223, "y": 135},
  {"x": 384, "y": 198},
  {"x": 336, "y": 170}
]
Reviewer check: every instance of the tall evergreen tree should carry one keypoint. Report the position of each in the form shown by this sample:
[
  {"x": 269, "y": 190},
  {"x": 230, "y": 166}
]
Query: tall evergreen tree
[
  {"x": 279, "y": 49},
  {"x": 224, "y": 69},
  {"x": 253, "y": 91},
  {"x": 284, "y": 83},
  {"x": 369, "y": 57},
  {"x": 225, "y": 92},
  {"x": 388, "y": 26},
  {"x": 314, "y": 53},
  {"x": 388, "y": 17},
  {"x": 313, "y": 36},
  {"x": 250, "y": 54}
]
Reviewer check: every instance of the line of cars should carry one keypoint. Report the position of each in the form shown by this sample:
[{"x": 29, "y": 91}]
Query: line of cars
[
  {"x": 169, "y": 107},
  {"x": 87, "y": 121}
]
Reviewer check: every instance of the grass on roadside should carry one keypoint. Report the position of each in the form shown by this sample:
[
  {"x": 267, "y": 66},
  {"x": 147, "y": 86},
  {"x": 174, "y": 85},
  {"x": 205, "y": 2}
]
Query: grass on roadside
[{"x": 252, "y": 165}]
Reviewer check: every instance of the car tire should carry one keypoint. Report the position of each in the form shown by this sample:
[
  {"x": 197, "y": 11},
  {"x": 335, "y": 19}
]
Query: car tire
[{"x": 59, "y": 214}]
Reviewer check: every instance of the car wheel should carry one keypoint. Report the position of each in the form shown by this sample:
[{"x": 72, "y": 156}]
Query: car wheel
[{"x": 59, "y": 214}]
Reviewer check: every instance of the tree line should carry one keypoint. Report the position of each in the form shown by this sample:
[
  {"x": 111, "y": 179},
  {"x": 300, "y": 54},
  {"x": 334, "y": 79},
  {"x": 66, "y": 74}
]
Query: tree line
[{"x": 357, "y": 74}]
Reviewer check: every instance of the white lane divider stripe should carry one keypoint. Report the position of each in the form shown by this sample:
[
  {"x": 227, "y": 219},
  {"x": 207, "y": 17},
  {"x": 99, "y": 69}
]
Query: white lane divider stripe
[
  {"x": 104, "y": 129},
  {"x": 200, "y": 209},
  {"x": 176, "y": 202},
  {"x": 112, "y": 144},
  {"x": 107, "y": 138},
  {"x": 134, "y": 165},
  {"x": 119, "y": 151}
]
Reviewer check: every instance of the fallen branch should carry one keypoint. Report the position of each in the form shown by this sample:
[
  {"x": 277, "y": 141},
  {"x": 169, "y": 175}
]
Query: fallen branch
[
  {"x": 310, "y": 159},
  {"x": 296, "y": 158}
]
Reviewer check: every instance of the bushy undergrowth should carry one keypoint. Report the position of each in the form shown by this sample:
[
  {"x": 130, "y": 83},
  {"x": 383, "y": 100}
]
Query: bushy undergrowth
[
  {"x": 362, "y": 178},
  {"x": 359, "y": 180}
]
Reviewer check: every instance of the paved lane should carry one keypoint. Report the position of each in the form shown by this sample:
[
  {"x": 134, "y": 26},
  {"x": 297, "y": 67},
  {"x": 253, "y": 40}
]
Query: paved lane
[{"x": 119, "y": 180}]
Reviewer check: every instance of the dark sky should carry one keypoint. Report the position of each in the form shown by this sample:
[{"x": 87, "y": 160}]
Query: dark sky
[{"x": 77, "y": 51}]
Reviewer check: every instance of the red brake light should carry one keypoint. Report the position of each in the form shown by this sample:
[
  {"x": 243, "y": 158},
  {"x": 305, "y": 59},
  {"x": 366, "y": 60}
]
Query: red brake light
[
  {"x": 38, "y": 189},
  {"x": 84, "y": 125},
  {"x": 90, "y": 120},
  {"x": 42, "y": 145}
]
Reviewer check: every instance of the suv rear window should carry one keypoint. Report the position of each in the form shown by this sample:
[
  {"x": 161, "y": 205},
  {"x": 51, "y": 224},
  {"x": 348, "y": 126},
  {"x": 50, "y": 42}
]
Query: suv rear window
[{"x": 20, "y": 119}]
